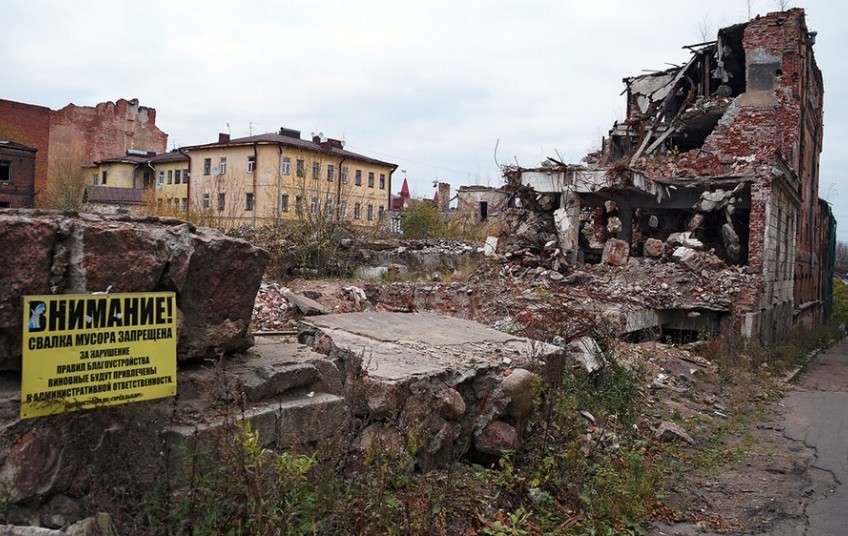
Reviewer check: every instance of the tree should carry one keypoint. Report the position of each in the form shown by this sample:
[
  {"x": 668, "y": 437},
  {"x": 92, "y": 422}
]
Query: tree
[
  {"x": 841, "y": 257},
  {"x": 422, "y": 219},
  {"x": 66, "y": 179}
]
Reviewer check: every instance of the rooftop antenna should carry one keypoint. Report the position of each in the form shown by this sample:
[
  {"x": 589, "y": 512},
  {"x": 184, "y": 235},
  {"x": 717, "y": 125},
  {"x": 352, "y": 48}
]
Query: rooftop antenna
[{"x": 228, "y": 129}]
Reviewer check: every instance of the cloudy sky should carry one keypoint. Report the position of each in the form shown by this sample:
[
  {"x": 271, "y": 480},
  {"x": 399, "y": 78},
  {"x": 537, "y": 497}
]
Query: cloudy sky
[{"x": 434, "y": 86}]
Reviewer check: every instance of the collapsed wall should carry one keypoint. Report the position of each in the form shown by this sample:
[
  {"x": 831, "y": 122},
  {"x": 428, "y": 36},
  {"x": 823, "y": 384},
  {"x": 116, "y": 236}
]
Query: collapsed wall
[{"x": 723, "y": 150}]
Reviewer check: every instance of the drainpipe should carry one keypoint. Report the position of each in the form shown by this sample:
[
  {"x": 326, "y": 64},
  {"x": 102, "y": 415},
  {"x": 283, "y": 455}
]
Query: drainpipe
[
  {"x": 337, "y": 206},
  {"x": 255, "y": 197},
  {"x": 188, "y": 184},
  {"x": 279, "y": 176}
]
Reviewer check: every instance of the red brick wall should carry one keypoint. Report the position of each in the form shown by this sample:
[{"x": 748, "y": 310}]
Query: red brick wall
[{"x": 106, "y": 130}]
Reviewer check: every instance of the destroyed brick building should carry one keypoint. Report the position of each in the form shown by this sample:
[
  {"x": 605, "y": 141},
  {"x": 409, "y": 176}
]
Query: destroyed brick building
[
  {"x": 79, "y": 134},
  {"x": 716, "y": 165}
]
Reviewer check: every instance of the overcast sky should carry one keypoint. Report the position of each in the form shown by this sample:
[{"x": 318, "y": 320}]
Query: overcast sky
[{"x": 433, "y": 86}]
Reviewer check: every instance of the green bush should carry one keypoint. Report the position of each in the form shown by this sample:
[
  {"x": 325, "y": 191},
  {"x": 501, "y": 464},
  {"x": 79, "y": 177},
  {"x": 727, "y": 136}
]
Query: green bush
[{"x": 422, "y": 219}]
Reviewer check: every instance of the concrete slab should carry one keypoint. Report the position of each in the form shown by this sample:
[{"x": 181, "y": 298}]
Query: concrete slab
[
  {"x": 398, "y": 346},
  {"x": 296, "y": 420}
]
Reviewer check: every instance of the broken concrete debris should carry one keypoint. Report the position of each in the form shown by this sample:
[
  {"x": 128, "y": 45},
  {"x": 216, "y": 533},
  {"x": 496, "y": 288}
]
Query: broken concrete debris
[{"x": 717, "y": 160}]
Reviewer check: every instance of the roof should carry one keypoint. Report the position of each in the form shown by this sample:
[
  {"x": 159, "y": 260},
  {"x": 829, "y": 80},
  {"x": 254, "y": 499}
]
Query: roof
[
  {"x": 273, "y": 138},
  {"x": 126, "y": 159},
  {"x": 119, "y": 196},
  {"x": 136, "y": 159},
  {"x": 14, "y": 145},
  {"x": 172, "y": 156}
]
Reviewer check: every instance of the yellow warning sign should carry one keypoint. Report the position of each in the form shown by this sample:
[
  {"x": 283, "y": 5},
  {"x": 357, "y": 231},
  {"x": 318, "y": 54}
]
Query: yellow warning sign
[{"x": 88, "y": 350}]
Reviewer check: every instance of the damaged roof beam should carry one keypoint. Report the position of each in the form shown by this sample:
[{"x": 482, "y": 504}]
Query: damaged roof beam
[{"x": 662, "y": 108}]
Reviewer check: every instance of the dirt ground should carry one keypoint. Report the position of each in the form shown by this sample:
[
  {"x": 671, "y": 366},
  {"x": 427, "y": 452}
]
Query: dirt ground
[{"x": 741, "y": 476}]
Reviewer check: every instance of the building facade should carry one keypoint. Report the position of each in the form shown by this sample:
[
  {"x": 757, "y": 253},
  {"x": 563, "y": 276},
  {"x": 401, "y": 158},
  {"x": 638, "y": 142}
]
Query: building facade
[
  {"x": 269, "y": 178},
  {"x": 17, "y": 175}
]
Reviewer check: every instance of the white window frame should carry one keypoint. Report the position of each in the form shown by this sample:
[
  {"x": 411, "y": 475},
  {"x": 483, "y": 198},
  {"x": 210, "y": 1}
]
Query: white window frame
[
  {"x": 285, "y": 169},
  {"x": 251, "y": 163}
]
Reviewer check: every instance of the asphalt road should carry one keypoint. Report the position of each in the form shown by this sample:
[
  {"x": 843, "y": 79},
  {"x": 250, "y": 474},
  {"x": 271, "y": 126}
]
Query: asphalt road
[{"x": 817, "y": 415}]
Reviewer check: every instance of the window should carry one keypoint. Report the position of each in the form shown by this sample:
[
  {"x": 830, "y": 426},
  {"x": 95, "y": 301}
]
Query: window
[
  {"x": 357, "y": 179},
  {"x": 94, "y": 179},
  {"x": 177, "y": 174},
  {"x": 370, "y": 179},
  {"x": 5, "y": 204},
  {"x": 382, "y": 181},
  {"x": 103, "y": 179},
  {"x": 5, "y": 170},
  {"x": 331, "y": 172},
  {"x": 286, "y": 167},
  {"x": 357, "y": 211},
  {"x": 223, "y": 165},
  {"x": 329, "y": 207},
  {"x": 185, "y": 204},
  {"x": 170, "y": 176},
  {"x": 284, "y": 202},
  {"x": 313, "y": 208},
  {"x": 301, "y": 170},
  {"x": 380, "y": 211},
  {"x": 207, "y": 166},
  {"x": 298, "y": 204},
  {"x": 251, "y": 163},
  {"x": 344, "y": 175},
  {"x": 206, "y": 203},
  {"x": 343, "y": 210},
  {"x": 185, "y": 176},
  {"x": 248, "y": 201},
  {"x": 316, "y": 170},
  {"x": 370, "y": 212},
  {"x": 222, "y": 201}
]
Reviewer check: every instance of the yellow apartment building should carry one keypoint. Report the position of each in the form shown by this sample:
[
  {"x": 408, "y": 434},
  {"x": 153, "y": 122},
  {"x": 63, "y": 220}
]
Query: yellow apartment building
[
  {"x": 127, "y": 171},
  {"x": 145, "y": 180},
  {"x": 268, "y": 178},
  {"x": 171, "y": 183}
]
